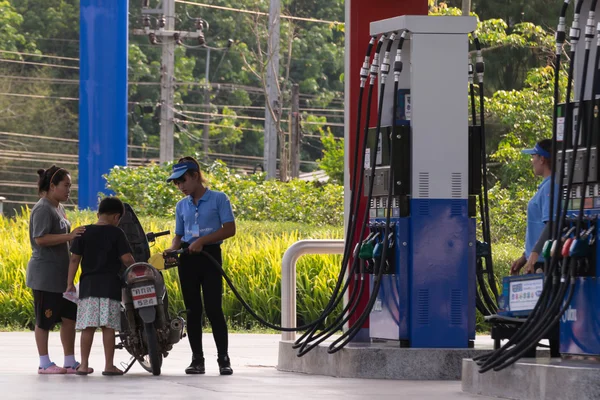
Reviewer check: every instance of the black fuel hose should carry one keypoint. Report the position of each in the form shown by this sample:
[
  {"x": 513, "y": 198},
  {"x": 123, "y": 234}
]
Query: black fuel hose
[
  {"x": 550, "y": 282},
  {"x": 364, "y": 73},
  {"x": 489, "y": 302},
  {"x": 347, "y": 336}
]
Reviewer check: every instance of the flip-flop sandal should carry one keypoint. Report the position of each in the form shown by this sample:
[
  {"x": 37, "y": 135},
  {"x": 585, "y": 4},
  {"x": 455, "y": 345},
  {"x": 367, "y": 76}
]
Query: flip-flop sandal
[
  {"x": 118, "y": 372},
  {"x": 82, "y": 373},
  {"x": 74, "y": 369},
  {"x": 52, "y": 369}
]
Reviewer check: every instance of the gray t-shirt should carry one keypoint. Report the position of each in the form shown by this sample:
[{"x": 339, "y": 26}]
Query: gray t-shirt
[{"x": 49, "y": 266}]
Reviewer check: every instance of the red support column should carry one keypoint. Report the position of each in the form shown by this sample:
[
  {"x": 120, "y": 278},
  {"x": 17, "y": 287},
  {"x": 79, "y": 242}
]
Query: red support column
[{"x": 359, "y": 15}]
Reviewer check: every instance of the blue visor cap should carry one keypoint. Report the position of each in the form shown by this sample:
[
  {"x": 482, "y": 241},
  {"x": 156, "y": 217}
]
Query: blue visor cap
[
  {"x": 182, "y": 168},
  {"x": 537, "y": 150}
]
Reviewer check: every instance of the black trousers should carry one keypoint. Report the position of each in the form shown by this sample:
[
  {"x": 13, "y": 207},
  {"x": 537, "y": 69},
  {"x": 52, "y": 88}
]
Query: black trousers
[{"x": 197, "y": 272}]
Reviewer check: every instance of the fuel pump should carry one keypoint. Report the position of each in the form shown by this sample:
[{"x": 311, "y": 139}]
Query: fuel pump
[{"x": 423, "y": 289}]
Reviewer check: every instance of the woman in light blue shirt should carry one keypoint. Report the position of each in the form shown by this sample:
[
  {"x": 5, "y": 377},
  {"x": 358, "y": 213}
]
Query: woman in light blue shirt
[
  {"x": 204, "y": 219},
  {"x": 538, "y": 210}
]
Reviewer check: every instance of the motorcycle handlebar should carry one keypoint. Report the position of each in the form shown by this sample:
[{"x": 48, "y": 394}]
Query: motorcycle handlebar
[{"x": 151, "y": 236}]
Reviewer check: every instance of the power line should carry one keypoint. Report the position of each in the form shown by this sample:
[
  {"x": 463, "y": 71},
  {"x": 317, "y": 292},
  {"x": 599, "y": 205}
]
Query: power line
[
  {"x": 35, "y": 96},
  {"x": 36, "y": 79},
  {"x": 237, "y": 156},
  {"x": 137, "y": 162},
  {"x": 216, "y": 115},
  {"x": 181, "y": 121},
  {"x": 27, "y": 184},
  {"x": 26, "y": 135},
  {"x": 36, "y": 155},
  {"x": 39, "y": 137},
  {"x": 260, "y": 108},
  {"x": 248, "y": 118},
  {"x": 20, "y": 194},
  {"x": 230, "y": 87},
  {"x": 323, "y": 109},
  {"x": 36, "y": 63},
  {"x": 20, "y": 167},
  {"x": 322, "y": 21},
  {"x": 31, "y": 203},
  {"x": 200, "y": 48},
  {"x": 39, "y": 55}
]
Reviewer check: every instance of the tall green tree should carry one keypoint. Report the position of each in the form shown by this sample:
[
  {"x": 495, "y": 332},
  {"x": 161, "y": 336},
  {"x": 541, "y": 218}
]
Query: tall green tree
[{"x": 11, "y": 31}]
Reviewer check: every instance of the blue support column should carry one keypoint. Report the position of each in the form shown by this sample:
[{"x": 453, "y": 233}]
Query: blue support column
[{"x": 103, "y": 45}]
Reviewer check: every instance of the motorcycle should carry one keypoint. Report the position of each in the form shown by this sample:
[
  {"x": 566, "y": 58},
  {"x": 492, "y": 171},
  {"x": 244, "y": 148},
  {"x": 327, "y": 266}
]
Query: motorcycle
[{"x": 148, "y": 332}]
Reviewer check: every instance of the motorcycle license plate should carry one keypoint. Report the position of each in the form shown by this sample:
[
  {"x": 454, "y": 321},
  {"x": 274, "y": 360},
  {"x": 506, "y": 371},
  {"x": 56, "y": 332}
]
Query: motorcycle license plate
[{"x": 144, "y": 296}]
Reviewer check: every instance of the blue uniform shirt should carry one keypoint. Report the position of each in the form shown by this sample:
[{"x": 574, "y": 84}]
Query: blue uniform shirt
[
  {"x": 538, "y": 213},
  {"x": 208, "y": 216}
]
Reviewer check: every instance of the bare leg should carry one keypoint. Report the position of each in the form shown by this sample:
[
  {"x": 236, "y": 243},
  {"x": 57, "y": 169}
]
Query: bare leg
[
  {"x": 67, "y": 336},
  {"x": 41, "y": 340},
  {"x": 108, "y": 338},
  {"x": 87, "y": 338}
]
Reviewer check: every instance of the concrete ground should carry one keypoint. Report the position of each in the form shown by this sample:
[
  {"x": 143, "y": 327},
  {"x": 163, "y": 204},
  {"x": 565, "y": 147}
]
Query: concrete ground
[{"x": 254, "y": 358}]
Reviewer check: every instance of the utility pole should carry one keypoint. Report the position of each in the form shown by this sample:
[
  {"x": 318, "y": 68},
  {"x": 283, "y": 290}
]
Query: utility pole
[
  {"x": 295, "y": 136},
  {"x": 466, "y": 7},
  {"x": 272, "y": 100},
  {"x": 206, "y": 131},
  {"x": 169, "y": 38},
  {"x": 167, "y": 72}
]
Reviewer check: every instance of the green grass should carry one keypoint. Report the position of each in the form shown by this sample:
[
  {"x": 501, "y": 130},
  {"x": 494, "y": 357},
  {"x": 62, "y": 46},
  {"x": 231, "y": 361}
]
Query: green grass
[{"x": 252, "y": 259}]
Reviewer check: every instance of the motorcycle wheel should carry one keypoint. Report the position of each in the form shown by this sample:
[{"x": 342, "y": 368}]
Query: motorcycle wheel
[{"x": 153, "y": 361}]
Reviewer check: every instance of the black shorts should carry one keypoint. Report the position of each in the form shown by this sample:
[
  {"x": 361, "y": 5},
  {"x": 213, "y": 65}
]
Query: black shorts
[{"x": 50, "y": 308}]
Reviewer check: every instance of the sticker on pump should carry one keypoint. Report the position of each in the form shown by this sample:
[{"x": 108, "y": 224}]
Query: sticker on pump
[
  {"x": 368, "y": 158},
  {"x": 560, "y": 128}
]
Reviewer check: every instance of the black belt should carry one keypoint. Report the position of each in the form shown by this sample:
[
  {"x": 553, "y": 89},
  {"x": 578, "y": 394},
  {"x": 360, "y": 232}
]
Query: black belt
[{"x": 185, "y": 245}]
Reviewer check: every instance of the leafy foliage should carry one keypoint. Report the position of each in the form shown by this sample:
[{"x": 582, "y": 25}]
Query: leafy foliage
[
  {"x": 526, "y": 117},
  {"x": 333, "y": 157},
  {"x": 11, "y": 36},
  {"x": 252, "y": 197}
]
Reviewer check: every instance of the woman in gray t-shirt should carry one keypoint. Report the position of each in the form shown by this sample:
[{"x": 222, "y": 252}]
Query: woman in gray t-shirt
[{"x": 50, "y": 234}]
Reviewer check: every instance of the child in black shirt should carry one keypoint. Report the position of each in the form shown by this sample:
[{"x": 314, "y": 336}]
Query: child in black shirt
[{"x": 101, "y": 249}]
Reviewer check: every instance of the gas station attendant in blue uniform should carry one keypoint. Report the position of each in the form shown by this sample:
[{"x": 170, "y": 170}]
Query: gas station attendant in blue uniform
[
  {"x": 538, "y": 210},
  {"x": 204, "y": 219}
]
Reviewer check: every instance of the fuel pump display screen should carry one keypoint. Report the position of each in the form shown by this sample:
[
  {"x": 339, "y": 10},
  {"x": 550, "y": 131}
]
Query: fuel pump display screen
[{"x": 524, "y": 294}]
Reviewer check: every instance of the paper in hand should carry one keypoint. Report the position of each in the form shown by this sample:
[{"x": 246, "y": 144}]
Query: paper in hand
[{"x": 73, "y": 296}]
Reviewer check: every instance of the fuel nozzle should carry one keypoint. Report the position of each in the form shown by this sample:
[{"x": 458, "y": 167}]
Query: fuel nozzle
[
  {"x": 547, "y": 250},
  {"x": 368, "y": 246},
  {"x": 482, "y": 249},
  {"x": 579, "y": 248},
  {"x": 565, "y": 252},
  {"x": 556, "y": 248}
]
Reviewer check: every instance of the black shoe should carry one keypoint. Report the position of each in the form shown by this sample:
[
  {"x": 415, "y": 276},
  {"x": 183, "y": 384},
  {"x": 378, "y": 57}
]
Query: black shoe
[
  {"x": 196, "y": 367},
  {"x": 225, "y": 365}
]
